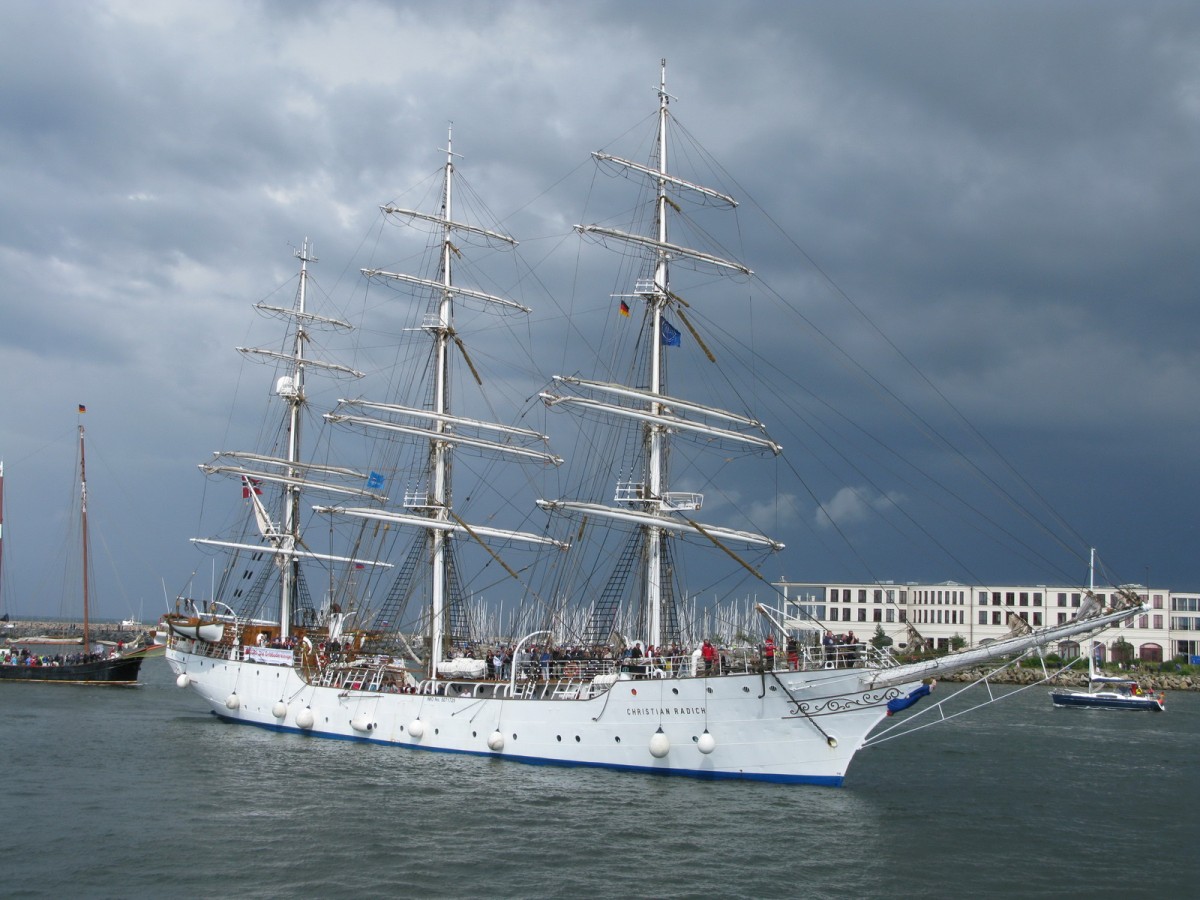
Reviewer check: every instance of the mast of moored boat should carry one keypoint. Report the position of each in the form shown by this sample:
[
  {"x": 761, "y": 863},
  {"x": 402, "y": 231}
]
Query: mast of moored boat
[
  {"x": 1, "y": 531},
  {"x": 83, "y": 527}
]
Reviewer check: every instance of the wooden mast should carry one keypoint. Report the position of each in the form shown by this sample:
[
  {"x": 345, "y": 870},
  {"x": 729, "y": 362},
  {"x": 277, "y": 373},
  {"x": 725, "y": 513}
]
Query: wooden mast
[{"x": 87, "y": 642}]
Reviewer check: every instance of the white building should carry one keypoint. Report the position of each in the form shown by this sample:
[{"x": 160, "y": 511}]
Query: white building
[{"x": 977, "y": 613}]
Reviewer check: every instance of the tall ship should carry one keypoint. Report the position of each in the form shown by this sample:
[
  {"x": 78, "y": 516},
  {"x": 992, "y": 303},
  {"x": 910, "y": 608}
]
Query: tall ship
[{"x": 294, "y": 637}]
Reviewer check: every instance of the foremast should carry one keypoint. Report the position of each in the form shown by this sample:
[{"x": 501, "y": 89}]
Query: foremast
[
  {"x": 289, "y": 472},
  {"x": 656, "y": 510}
]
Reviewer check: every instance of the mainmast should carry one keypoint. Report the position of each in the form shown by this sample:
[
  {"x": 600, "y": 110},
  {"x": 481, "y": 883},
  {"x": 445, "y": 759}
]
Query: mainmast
[
  {"x": 439, "y": 449},
  {"x": 431, "y": 506}
]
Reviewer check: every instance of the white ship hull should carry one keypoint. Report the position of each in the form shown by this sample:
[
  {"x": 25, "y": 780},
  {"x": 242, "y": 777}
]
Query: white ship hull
[{"x": 790, "y": 727}]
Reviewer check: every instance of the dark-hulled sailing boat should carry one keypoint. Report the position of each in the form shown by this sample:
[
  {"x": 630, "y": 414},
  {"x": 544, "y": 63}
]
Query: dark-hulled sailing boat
[{"x": 82, "y": 666}]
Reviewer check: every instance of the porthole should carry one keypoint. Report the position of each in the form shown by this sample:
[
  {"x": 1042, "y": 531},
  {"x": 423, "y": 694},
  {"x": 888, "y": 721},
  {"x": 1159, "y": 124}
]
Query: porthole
[
  {"x": 675, "y": 691},
  {"x": 745, "y": 690},
  {"x": 617, "y": 739},
  {"x": 558, "y": 737},
  {"x": 577, "y": 739}
]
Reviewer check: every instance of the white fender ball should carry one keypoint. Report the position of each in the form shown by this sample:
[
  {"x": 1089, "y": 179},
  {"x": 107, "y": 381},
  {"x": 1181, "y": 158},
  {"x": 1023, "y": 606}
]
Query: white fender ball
[
  {"x": 279, "y": 710},
  {"x": 660, "y": 745},
  {"x": 233, "y": 701},
  {"x": 362, "y": 722},
  {"x": 495, "y": 741},
  {"x": 305, "y": 718},
  {"x": 183, "y": 680},
  {"x": 706, "y": 744},
  {"x": 416, "y": 728}
]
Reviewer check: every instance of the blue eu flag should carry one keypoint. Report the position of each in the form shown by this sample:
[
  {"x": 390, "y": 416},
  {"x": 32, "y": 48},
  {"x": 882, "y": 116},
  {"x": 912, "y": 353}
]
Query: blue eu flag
[{"x": 670, "y": 334}]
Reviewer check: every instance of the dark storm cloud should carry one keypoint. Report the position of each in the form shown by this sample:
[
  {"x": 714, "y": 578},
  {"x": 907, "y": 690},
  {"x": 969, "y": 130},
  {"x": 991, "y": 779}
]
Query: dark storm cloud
[{"x": 1007, "y": 190}]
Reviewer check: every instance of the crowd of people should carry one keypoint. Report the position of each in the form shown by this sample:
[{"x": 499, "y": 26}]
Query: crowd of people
[
  {"x": 546, "y": 662},
  {"x": 20, "y": 656}
]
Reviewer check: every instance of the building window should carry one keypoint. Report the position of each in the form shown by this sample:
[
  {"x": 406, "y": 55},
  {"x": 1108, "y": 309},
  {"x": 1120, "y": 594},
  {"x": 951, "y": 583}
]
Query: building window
[
  {"x": 1143, "y": 621},
  {"x": 891, "y": 614},
  {"x": 1062, "y": 599},
  {"x": 996, "y": 617},
  {"x": 904, "y": 615},
  {"x": 878, "y": 615},
  {"x": 1024, "y": 598},
  {"x": 1037, "y": 620},
  {"x": 983, "y": 598},
  {"x": 1062, "y": 618},
  {"x": 1158, "y": 604},
  {"x": 1157, "y": 620},
  {"x": 1010, "y": 599},
  {"x": 1037, "y": 598},
  {"x": 983, "y": 617},
  {"x": 862, "y": 615}
]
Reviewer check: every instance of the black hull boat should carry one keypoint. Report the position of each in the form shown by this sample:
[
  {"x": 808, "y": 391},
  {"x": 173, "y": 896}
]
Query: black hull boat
[
  {"x": 86, "y": 666},
  {"x": 120, "y": 671}
]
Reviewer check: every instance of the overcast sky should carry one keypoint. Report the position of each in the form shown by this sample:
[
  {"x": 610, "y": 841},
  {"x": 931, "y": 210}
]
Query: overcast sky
[{"x": 1008, "y": 191}]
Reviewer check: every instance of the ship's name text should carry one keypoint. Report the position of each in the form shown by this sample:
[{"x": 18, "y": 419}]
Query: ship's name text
[{"x": 664, "y": 711}]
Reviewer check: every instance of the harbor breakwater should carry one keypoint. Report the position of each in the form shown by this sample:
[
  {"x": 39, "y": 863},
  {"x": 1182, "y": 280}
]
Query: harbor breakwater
[
  {"x": 17, "y": 630},
  {"x": 1147, "y": 678}
]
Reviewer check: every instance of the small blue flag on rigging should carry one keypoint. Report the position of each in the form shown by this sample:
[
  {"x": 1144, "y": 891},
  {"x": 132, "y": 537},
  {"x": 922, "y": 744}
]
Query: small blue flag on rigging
[
  {"x": 670, "y": 334},
  {"x": 375, "y": 481}
]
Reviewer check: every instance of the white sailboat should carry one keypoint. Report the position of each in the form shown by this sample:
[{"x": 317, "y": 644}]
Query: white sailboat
[{"x": 321, "y": 671}]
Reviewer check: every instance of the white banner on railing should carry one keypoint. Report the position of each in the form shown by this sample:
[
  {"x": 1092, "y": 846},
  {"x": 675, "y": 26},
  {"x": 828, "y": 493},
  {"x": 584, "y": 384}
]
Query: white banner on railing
[{"x": 274, "y": 656}]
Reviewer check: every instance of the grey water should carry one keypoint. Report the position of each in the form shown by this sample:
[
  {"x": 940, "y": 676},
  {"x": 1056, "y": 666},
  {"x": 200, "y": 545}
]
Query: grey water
[{"x": 129, "y": 793}]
